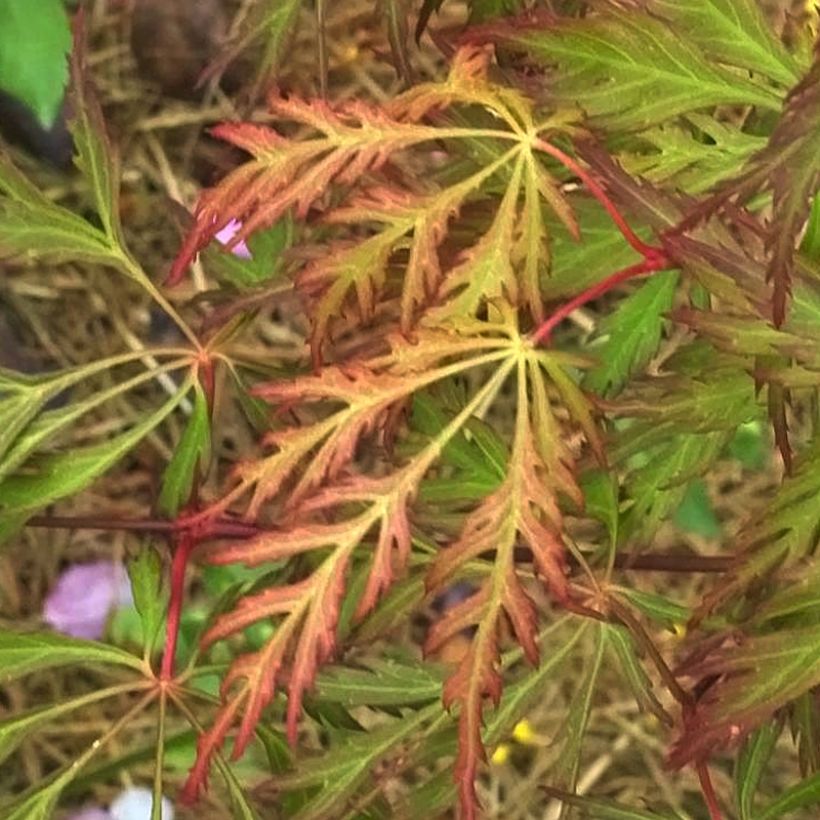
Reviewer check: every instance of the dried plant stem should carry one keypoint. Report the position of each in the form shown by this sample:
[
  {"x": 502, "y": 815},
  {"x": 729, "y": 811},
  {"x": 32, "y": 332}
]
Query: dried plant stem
[{"x": 219, "y": 529}]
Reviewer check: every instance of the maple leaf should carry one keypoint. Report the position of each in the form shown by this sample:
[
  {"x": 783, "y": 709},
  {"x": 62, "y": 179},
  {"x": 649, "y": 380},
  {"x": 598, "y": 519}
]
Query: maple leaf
[
  {"x": 346, "y": 147},
  {"x": 331, "y": 514},
  {"x": 754, "y": 677},
  {"x": 694, "y": 155},
  {"x": 524, "y": 506},
  {"x": 318, "y": 451},
  {"x": 779, "y": 535},
  {"x": 339, "y": 515},
  {"x": 657, "y": 73},
  {"x": 680, "y": 425},
  {"x": 789, "y": 167}
]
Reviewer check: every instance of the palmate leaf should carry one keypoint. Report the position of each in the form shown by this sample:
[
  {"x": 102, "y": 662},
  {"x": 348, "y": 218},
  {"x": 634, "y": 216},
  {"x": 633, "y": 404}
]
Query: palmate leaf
[
  {"x": 368, "y": 390},
  {"x": 693, "y": 155},
  {"x": 788, "y": 167},
  {"x": 14, "y": 730},
  {"x": 66, "y": 473},
  {"x": 346, "y": 147},
  {"x": 779, "y": 535},
  {"x": 22, "y": 653},
  {"x": 27, "y": 426},
  {"x": 33, "y": 226},
  {"x": 734, "y": 32},
  {"x": 755, "y": 675},
  {"x": 632, "y": 334},
  {"x": 658, "y": 74},
  {"x": 332, "y": 521},
  {"x": 681, "y": 425},
  {"x": 334, "y": 512},
  {"x": 524, "y": 506}
]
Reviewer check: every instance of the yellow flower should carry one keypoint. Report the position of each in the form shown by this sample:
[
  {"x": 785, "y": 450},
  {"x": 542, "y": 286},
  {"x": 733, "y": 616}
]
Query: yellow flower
[
  {"x": 501, "y": 754},
  {"x": 523, "y": 733}
]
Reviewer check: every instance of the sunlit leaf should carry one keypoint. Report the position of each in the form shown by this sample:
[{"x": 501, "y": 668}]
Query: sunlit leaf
[{"x": 658, "y": 74}]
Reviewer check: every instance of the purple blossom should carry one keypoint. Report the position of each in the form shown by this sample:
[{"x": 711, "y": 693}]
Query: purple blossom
[
  {"x": 84, "y": 596},
  {"x": 228, "y": 233}
]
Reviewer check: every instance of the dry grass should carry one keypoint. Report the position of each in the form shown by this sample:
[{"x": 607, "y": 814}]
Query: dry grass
[{"x": 58, "y": 317}]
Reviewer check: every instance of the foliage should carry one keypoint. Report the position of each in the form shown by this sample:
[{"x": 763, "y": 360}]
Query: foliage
[
  {"x": 444, "y": 435},
  {"x": 33, "y": 56}
]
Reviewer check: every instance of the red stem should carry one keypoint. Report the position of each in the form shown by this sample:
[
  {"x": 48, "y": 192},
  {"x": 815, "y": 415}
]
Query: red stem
[
  {"x": 655, "y": 260},
  {"x": 598, "y": 192},
  {"x": 179, "y": 564},
  {"x": 708, "y": 789}
]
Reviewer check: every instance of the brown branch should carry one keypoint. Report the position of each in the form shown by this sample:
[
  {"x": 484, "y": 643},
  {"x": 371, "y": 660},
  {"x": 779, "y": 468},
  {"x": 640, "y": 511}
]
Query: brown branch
[
  {"x": 673, "y": 562},
  {"x": 227, "y": 528},
  {"x": 220, "y": 528}
]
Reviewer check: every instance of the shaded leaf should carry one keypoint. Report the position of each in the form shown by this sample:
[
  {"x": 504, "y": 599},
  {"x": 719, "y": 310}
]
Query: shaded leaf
[
  {"x": 789, "y": 168},
  {"x": 571, "y": 735},
  {"x": 754, "y": 755},
  {"x": 425, "y": 13},
  {"x": 621, "y": 642},
  {"x": 67, "y": 473},
  {"x": 596, "y": 809},
  {"x": 779, "y": 535},
  {"x": 95, "y": 156},
  {"x": 269, "y": 23},
  {"x": 190, "y": 458},
  {"x": 396, "y": 14},
  {"x": 804, "y": 793},
  {"x": 150, "y": 598},
  {"x": 754, "y": 677},
  {"x": 22, "y": 653},
  {"x": 384, "y": 683},
  {"x": 14, "y": 730},
  {"x": 632, "y": 334}
]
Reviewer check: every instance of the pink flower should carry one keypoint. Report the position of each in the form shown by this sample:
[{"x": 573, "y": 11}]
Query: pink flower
[
  {"x": 228, "y": 233},
  {"x": 90, "y": 814},
  {"x": 84, "y": 596},
  {"x": 133, "y": 803}
]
